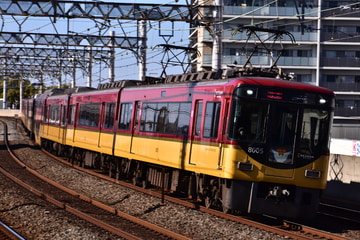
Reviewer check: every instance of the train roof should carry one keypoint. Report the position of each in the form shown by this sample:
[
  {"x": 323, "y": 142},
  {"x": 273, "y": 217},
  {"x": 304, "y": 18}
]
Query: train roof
[
  {"x": 256, "y": 81},
  {"x": 200, "y": 79},
  {"x": 271, "y": 82}
]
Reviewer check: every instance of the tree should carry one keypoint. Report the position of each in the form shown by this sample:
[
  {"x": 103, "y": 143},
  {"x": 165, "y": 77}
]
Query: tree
[{"x": 13, "y": 90}]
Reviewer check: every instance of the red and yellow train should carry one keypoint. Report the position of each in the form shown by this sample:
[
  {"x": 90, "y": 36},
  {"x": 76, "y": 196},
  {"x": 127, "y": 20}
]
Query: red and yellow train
[{"x": 254, "y": 144}]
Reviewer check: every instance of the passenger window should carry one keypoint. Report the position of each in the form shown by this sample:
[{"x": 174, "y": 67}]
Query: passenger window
[
  {"x": 63, "y": 115},
  {"x": 71, "y": 119},
  {"x": 172, "y": 119},
  {"x": 89, "y": 115},
  {"x": 199, "y": 107},
  {"x": 184, "y": 118},
  {"x": 162, "y": 117},
  {"x": 148, "y": 116},
  {"x": 54, "y": 114},
  {"x": 125, "y": 116},
  {"x": 46, "y": 113},
  {"x": 168, "y": 118},
  {"x": 109, "y": 116},
  {"x": 212, "y": 117}
]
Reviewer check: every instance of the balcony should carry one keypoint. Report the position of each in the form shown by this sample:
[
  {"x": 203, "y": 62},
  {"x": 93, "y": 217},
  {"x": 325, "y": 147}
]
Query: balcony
[
  {"x": 228, "y": 59},
  {"x": 342, "y": 12},
  {"x": 345, "y": 62},
  {"x": 347, "y": 111},
  {"x": 228, "y": 35},
  {"x": 337, "y": 86},
  {"x": 264, "y": 61},
  {"x": 267, "y": 11},
  {"x": 297, "y": 61},
  {"x": 340, "y": 37}
]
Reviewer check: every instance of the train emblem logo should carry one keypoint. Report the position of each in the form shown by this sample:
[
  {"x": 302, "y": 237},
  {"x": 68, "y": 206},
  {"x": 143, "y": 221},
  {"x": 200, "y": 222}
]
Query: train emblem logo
[{"x": 356, "y": 148}]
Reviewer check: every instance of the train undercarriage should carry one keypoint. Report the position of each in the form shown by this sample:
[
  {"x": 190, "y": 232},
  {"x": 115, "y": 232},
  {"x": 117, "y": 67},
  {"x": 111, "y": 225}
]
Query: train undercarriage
[{"x": 202, "y": 188}]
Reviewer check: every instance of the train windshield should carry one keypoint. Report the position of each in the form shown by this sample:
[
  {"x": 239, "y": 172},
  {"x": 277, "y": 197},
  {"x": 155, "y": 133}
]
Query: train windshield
[
  {"x": 249, "y": 120},
  {"x": 275, "y": 132}
]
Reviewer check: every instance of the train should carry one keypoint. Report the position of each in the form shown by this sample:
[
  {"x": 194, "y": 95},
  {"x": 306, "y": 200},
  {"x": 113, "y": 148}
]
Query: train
[{"x": 234, "y": 141}]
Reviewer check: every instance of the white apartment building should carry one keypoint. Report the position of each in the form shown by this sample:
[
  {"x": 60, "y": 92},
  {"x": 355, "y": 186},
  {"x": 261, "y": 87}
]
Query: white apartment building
[{"x": 326, "y": 50}]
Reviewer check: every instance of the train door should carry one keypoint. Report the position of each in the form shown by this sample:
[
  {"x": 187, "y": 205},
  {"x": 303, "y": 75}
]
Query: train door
[
  {"x": 134, "y": 123},
  {"x": 206, "y": 145},
  {"x": 63, "y": 117},
  {"x": 106, "y": 134},
  {"x": 45, "y": 125},
  {"x": 70, "y": 136},
  {"x": 223, "y": 130},
  {"x": 196, "y": 131},
  {"x": 101, "y": 122},
  {"x": 123, "y": 139}
]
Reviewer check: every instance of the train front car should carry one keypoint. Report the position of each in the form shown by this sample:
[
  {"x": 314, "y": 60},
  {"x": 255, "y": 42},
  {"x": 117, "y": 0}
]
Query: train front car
[{"x": 278, "y": 148}]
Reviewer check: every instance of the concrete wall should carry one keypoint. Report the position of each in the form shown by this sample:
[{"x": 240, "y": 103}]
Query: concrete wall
[
  {"x": 344, "y": 171},
  {"x": 9, "y": 112}
]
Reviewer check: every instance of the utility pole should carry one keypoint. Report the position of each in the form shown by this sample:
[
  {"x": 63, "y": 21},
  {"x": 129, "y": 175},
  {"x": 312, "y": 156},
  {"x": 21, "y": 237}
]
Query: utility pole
[
  {"x": 4, "y": 93},
  {"x": 89, "y": 77},
  {"x": 112, "y": 57},
  {"x": 73, "y": 82},
  {"x": 217, "y": 35},
  {"x": 142, "y": 49}
]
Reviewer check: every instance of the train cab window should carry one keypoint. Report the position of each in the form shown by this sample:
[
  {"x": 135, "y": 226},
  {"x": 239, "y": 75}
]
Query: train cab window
[
  {"x": 315, "y": 123},
  {"x": 109, "y": 115},
  {"x": 248, "y": 121},
  {"x": 212, "y": 117},
  {"x": 125, "y": 116},
  {"x": 89, "y": 115},
  {"x": 282, "y": 129}
]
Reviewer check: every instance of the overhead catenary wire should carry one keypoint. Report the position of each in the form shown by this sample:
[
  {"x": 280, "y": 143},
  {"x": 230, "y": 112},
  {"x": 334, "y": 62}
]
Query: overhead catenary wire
[{"x": 131, "y": 31}]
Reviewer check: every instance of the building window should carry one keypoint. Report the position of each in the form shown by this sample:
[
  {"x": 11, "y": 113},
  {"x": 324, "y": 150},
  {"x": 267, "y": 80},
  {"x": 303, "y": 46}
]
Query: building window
[
  {"x": 357, "y": 79},
  {"x": 330, "y": 78}
]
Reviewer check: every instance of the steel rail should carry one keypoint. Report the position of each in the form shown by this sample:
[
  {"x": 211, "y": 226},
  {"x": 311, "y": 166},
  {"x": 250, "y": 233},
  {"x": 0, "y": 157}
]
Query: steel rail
[{"x": 9, "y": 233}]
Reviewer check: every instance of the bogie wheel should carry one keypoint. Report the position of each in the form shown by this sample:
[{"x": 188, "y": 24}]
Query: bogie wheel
[
  {"x": 208, "y": 202},
  {"x": 226, "y": 210},
  {"x": 145, "y": 184}
]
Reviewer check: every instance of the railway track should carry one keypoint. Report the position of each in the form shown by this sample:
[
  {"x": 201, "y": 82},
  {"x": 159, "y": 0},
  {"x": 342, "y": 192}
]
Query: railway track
[
  {"x": 7, "y": 233},
  {"x": 345, "y": 213},
  {"x": 103, "y": 216},
  {"x": 290, "y": 230}
]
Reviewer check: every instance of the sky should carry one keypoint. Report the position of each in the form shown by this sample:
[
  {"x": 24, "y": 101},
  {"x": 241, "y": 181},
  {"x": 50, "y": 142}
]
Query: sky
[{"x": 126, "y": 66}]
